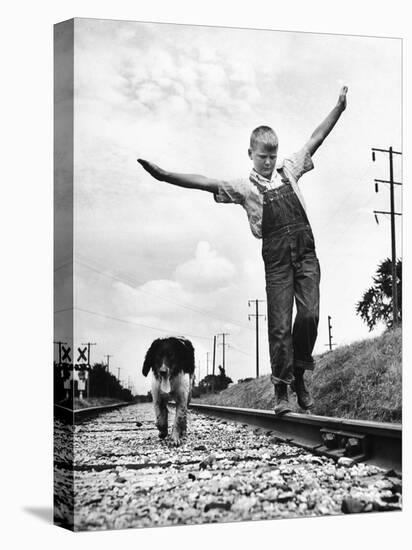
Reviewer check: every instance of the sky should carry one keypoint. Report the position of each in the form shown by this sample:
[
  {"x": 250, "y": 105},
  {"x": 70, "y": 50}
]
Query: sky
[{"x": 152, "y": 259}]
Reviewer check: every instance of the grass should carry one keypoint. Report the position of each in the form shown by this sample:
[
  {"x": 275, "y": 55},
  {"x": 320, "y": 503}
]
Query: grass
[{"x": 362, "y": 380}]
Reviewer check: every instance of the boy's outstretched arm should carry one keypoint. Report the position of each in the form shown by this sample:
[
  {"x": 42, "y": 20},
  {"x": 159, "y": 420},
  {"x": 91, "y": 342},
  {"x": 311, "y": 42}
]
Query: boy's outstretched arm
[
  {"x": 190, "y": 181},
  {"x": 316, "y": 139}
]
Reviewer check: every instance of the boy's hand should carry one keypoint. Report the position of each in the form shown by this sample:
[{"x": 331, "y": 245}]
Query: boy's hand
[
  {"x": 342, "y": 98},
  {"x": 153, "y": 170}
]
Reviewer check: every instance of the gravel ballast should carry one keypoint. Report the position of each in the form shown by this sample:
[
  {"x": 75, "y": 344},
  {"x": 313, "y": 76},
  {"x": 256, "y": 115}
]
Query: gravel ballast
[{"x": 125, "y": 476}]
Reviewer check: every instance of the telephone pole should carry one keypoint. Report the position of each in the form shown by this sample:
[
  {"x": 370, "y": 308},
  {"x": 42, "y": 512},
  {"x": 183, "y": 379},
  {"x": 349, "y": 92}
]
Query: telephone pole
[
  {"x": 88, "y": 344},
  {"x": 256, "y": 315},
  {"x": 108, "y": 370},
  {"x": 392, "y": 213},
  {"x": 108, "y": 362},
  {"x": 214, "y": 355},
  {"x": 330, "y": 334},
  {"x": 214, "y": 363},
  {"x": 223, "y": 334},
  {"x": 207, "y": 363}
]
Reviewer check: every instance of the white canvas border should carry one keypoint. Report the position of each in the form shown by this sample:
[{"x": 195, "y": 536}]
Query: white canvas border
[{"x": 27, "y": 267}]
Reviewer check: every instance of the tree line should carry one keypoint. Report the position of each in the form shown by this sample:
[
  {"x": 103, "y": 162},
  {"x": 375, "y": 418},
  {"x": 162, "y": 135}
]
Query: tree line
[{"x": 102, "y": 383}]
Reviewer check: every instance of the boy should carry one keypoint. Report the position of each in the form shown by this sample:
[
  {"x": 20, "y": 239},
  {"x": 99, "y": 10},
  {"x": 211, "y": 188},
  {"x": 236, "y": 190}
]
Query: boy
[{"x": 277, "y": 215}]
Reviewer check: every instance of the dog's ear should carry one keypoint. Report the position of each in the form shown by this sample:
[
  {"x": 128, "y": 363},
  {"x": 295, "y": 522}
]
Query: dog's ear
[
  {"x": 188, "y": 357},
  {"x": 150, "y": 358}
]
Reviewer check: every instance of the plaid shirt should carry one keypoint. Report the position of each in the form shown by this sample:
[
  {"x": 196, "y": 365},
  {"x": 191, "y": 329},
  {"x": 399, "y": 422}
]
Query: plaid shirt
[{"x": 249, "y": 192}]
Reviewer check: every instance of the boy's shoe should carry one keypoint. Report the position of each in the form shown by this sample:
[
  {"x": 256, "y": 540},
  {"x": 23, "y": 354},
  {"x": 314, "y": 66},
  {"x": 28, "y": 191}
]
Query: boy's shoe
[
  {"x": 305, "y": 400},
  {"x": 281, "y": 399}
]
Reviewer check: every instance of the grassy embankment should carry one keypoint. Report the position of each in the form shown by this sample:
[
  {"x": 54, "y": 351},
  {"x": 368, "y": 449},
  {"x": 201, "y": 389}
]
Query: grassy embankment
[{"x": 362, "y": 380}]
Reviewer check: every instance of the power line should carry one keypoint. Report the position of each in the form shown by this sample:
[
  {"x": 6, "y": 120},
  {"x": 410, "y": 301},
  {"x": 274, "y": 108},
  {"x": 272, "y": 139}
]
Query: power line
[
  {"x": 324, "y": 228},
  {"x": 69, "y": 262},
  {"x": 110, "y": 317},
  {"x": 150, "y": 293},
  {"x": 238, "y": 350},
  {"x": 139, "y": 324},
  {"x": 61, "y": 310}
]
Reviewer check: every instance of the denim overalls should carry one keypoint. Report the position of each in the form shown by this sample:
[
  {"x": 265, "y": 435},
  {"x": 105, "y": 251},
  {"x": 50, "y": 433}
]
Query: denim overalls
[{"x": 292, "y": 272}]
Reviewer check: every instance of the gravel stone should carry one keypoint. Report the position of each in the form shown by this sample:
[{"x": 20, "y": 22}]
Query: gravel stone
[{"x": 125, "y": 476}]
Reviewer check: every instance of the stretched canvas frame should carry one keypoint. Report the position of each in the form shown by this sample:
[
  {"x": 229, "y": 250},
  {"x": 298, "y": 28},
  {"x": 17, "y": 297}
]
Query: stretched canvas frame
[{"x": 125, "y": 90}]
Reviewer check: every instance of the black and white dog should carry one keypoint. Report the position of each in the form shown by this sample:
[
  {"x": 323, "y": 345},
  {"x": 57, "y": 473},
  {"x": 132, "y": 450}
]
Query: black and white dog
[{"x": 172, "y": 361}]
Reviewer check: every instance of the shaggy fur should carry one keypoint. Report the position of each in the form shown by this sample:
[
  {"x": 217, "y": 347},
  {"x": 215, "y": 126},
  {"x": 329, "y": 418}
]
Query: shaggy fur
[{"x": 172, "y": 362}]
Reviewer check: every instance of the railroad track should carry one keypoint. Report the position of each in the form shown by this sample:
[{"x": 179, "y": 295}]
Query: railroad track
[
  {"x": 77, "y": 415},
  {"x": 358, "y": 440},
  {"x": 115, "y": 471}
]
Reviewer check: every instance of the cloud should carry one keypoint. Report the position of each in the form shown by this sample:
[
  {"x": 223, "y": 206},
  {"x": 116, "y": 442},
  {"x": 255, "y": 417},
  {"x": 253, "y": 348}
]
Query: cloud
[
  {"x": 207, "y": 271},
  {"x": 161, "y": 73},
  {"x": 186, "y": 98}
]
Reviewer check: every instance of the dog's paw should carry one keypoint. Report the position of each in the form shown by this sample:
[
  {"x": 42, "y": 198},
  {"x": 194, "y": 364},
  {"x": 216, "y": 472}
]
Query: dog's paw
[
  {"x": 175, "y": 439},
  {"x": 162, "y": 434}
]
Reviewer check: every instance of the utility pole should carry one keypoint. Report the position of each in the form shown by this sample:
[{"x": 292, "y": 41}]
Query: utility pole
[
  {"x": 108, "y": 362},
  {"x": 214, "y": 355},
  {"x": 223, "y": 334},
  {"x": 330, "y": 334},
  {"x": 108, "y": 370},
  {"x": 214, "y": 363},
  {"x": 256, "y": 302},
  {"x": 118, "y": 373},
  {"x": 88, "y": 344},
  {"x": 198, "y": 367},
  {"x": 207, "y": 371},
  {"x": 392, "y": 213}
]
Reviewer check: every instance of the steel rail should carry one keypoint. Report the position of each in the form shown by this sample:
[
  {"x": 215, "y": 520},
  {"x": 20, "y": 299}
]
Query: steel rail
[
  {"x": 359, "y": 440},
  {"x": 74, "y": 415}
]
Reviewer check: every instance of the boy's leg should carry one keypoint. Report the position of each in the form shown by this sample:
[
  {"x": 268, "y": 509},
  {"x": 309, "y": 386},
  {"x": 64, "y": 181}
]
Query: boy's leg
[
  {"x": 305, "y": 328},
  {"x": 279, "y": 292}
]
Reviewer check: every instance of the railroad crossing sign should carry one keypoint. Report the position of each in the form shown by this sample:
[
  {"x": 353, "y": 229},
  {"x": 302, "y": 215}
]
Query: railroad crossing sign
[
  {"x": 81, "y": 369},
  {"x": 82, "y": 355},
  {"x": 66, "y": 354}
]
